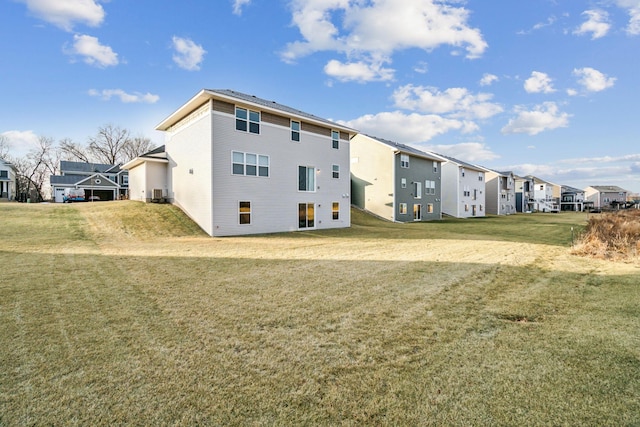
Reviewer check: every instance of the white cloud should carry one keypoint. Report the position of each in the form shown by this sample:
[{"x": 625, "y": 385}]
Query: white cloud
[
  {"x": 597, "y": 24},
  {"x": 20, "y": 142},
  {"x": 538, "y": 82},
  {"x": 546, "y": 116},
  {"x": 633, "y": 9},
  {"x": 188, "y": 54},
  {"x": 66, "y": 13},
  {"x": 238, "y": 5},
  {"x": 455, "y": 102},
  {"x": 93, "y": 52},
  {"x": 127, "y": 98},
  {"x": 466, "y": 151},
  {"x": 358, "y": 71},
  {"x": 488, "y": 79},
  {"x": 593, "y": 80},
  {"x": 408, "y": 128},
  {"x": 367, "y": 31}
]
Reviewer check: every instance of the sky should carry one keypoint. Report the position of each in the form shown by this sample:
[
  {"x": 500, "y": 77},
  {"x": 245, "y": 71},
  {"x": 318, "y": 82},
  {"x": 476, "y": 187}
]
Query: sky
[{"x": 542, "y": 87}]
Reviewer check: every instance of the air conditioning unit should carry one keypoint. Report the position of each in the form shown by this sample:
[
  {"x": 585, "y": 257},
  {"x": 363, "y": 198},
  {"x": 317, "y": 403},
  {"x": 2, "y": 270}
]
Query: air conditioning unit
[{"x": 157, "y": 193}]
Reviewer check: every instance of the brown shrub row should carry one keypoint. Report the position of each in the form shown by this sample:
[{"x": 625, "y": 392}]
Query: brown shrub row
[{"x": 614, "y": 235}]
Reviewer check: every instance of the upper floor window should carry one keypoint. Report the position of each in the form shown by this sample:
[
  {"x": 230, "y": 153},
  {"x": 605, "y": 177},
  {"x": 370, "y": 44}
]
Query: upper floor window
[
  {"x": 249, "y": 164},
  {"x": 462, "y": 172},
  {"x": 480, "y": 176},
  {"x": 435, "y": 167},
  {"x": 125, "y": 179},
  {"x": 404, "y": 160},
  {"x": 247, "y": 120},
  {"x": 295, "y": 131},
  {"x": 335, "y": 139},
  {"x": 403, "y": 182},
  {"x": 4, "y": 174},
  {"x": 430, "y": 187},
  {"x": 306, "y": 178},
  {"x": 335, "y": 171}
]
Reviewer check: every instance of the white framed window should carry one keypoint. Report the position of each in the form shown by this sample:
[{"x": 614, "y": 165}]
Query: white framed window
[
  {"x": 430, "y": 187},
  {"x": 306, "y": 215},
  {"x": 249, "y": 164},
  {"x": 335, "y": 211},
  {"x": 402, "y": 208},
  {"x": 480, "y": 176},
  {"x": 335, "y": 171},
  {"x": 417, "y": 212},
  {"x": 417, "y": 190},
  {"x": 335, "y": 139},
  {"x": 295, "y": 131},
  {"x": 403, "y": 182},
  {"x": 247, "y": 120},
  {"x": 244, "y": 212},
  {"x": 435, "y": 167},
  {"x": 462, "y": 172},
  {"x": 404, "y": 160},
  {"x": 306, "y": 178},
  {"x": 430, "y": 208}
]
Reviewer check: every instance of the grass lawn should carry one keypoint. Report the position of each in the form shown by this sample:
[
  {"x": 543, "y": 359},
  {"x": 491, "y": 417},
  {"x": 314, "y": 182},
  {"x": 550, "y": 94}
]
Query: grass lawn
[{"x": 126, "y": 313}]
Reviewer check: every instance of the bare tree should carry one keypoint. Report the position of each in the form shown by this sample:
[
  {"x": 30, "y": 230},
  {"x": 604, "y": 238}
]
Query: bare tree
[
  {"x": 73, "y": 151},
  {"x": 107, "y": 146},
  {"x": 136, "y": 147},
  {"x": 34, "y": 170},
  {"x": 4, "y": 147}
]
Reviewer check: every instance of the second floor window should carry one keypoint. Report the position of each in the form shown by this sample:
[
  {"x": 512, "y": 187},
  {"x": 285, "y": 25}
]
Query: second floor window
[
  {"x": 4, "y": 174},
  {"x": 295, "y": 131},
  {"x": 335, "y": 139},
  {"x": 247, "y": 120},
  {"x": 306, "y": 178},
  {"x": 335, "y": 171},
  {"x": 249, "y": 164},
  {"x": 404, "y": 160}
]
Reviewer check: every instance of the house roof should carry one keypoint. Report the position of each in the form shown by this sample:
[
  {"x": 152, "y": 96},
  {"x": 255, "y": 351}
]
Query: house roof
[
  {"x": 608, "y": 189},
  {"x": 250, "y": 100},
  {"x": 407, "y": 149},
  {"x": 569, "y": 189},
  {"x": 66, "y": 165},
  {"x": 7, "y": 163},
  {"x": 75, "y": 179},
  {"x": 157, "y": 155},
  {"x": 461, "y": 163}
]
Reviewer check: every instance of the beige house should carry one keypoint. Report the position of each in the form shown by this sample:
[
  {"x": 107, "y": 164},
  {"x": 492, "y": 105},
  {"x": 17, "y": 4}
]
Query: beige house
[{"x": 238, "y": 164}]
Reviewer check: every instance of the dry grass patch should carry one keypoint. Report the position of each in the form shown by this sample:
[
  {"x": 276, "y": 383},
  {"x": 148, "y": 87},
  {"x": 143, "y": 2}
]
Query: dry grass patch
[{"x": 613, "y": 235}]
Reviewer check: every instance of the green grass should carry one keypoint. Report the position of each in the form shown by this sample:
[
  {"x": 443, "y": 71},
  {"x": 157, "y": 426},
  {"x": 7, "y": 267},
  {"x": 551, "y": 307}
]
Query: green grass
[{"x": 125, "y": 313}]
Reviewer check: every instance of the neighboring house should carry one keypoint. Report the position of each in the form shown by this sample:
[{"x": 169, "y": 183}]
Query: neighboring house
[
  {"x": 546, "y": 196},
  {"x": 106, "y": 182},
  {"x": 606, "y": 196},
  {"x": 394, "y": 181},
  {"x": 238, "y": 164},
  {"x": 7, "y": 180},
  {"x": 463, "y": 189},
  {"x": 573, "y": 199},
  {"x": 524, "y": 194},
  {"x": 500, "y": 193}
]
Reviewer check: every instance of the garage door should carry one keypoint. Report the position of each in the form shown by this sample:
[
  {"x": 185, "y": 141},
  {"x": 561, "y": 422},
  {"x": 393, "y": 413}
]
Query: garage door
[{"x": 58, "y": 196}]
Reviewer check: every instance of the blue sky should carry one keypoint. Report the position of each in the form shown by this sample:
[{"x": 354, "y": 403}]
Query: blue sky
[{"x": 541, "y": 87}]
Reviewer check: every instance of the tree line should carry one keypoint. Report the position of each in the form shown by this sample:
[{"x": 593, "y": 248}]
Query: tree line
[{"x": 111, "y": 145}]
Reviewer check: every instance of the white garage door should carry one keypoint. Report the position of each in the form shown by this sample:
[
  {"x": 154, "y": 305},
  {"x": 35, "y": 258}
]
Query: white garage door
[{"x": 58, "y": 196}]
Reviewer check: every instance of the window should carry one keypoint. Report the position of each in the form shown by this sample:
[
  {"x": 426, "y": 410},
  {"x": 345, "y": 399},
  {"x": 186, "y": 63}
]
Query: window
[
  {"x": 404, "y": 160},
  {"x": 430, "y": 187},
  {"x": 335, "y": 210},
  {"x": 466, "y": 192},
  {"x": 335, "y": 139},
  {"x": 4, "y": 174},
  {"x": 462, "y": 172},
  {"x": 475, "y": 194},
  {"x": 249, "y": 164},
  {"x": 417, "y": 212},
  {"x": 435, "y": 167},
  {"x": 306, "y": 178},
  {"x": 335, "y": 171},
  {"x": 295, "y": 131},
  {"x": 244, "y": 211},
  {"x": 417, "y": 190},
  {"x": 403, "y": 208},
  {"x": 306, "y": 215},
  {"x": 542, "y": 187},
  {"x": 480, "y": 176},
  {"x": 403, "y": 183},
  {"x": 430, "y": 208},
  {"x": 247, "y": 120},
  {"x": 125, "y": 179}
]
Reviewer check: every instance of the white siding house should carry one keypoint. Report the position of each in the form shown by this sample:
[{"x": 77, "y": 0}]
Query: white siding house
[
  {"x": 7, "y": 180},
  {"x": 463, "y": 189},
  {"x": 238, "y": 164}
]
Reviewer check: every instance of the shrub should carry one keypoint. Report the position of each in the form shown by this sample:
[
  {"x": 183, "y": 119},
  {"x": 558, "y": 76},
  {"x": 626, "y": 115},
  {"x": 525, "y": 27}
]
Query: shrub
[{"x": 613, "y": 235}]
